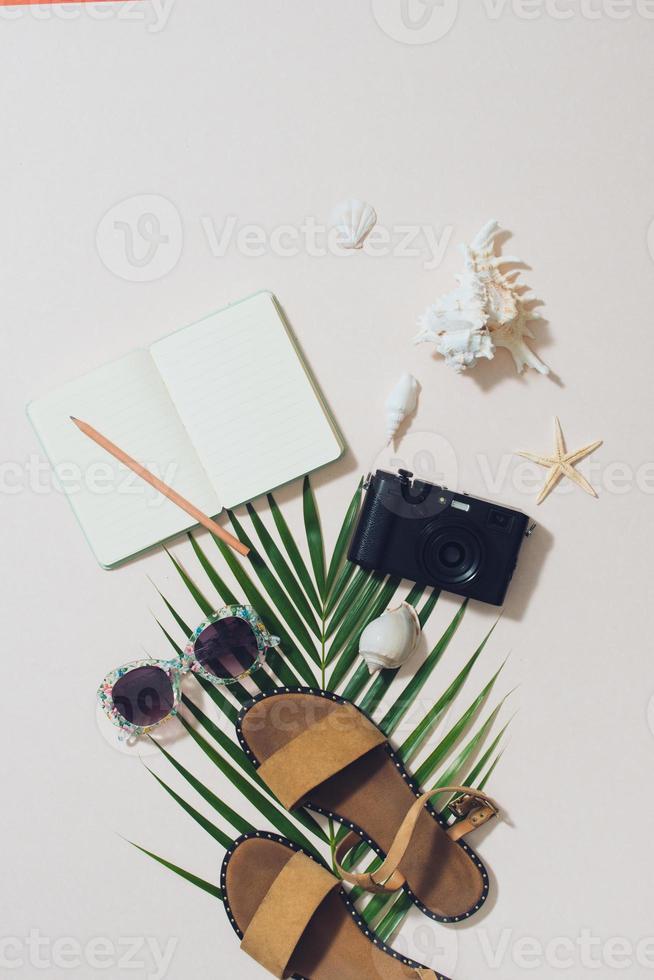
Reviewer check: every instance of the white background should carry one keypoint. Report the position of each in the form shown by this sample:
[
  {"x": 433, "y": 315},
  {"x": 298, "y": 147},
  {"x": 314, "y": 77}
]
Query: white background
[{"x": 272, "y": 112}]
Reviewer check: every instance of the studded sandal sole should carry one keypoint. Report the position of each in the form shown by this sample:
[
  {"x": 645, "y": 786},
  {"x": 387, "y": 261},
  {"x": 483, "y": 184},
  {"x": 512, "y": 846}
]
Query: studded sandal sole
[
  {"x": 295, "y": 920},
  {"x": 315, "y": 749}
]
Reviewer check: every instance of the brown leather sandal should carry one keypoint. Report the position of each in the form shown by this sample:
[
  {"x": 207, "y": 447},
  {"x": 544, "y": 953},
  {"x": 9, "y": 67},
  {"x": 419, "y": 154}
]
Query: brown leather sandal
[
  {"x": 315, "y": 749},
  {"x": 294, "y": 919}
]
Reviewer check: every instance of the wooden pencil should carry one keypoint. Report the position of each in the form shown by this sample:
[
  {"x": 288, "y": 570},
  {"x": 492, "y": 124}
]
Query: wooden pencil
[{"x": 162, "y": 487}]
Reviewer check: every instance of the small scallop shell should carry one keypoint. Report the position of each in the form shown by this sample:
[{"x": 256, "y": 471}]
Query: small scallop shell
[
  {"x": 353, "y": 220},
  {"x": 390, "y": 640}
]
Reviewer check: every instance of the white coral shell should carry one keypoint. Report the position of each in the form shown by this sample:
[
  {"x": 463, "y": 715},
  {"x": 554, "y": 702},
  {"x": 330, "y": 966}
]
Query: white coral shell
[
  {"x": 485, "y": 311},
  {"x": 390, "y": 640},
  {"x": 353, "y": 220},
  {"x": 401, "y": 403}
]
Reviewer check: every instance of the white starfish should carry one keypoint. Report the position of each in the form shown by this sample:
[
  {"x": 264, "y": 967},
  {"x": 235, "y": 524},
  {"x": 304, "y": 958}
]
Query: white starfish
[{"x": 561, "y": 463}]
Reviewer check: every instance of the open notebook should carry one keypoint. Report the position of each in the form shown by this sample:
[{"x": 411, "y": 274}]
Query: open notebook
[{"x": 222, "y": 411}]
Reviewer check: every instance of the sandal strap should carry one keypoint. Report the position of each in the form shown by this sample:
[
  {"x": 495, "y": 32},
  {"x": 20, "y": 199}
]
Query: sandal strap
[
  {"x": 285, "y": 912},
  {"x": 474, "y": 809},
  {"x": 321, "y": 751}
]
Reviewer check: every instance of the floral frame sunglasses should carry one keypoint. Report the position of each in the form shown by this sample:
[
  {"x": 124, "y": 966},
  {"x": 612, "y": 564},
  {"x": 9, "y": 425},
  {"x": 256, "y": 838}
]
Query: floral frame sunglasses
[{"x": 224, "y": 649}]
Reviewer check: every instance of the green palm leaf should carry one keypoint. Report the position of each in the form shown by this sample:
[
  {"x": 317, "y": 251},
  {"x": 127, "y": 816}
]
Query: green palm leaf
[
  {"x": 491, "y": 770},
  {"x": 374, "y": 608},
  {"x": 349, "y": 597},
  {"x": 238, "y": 756},
  {"x": 416, "y": 739},
  {"x": 207, "y": 825},
  {"x": 394, "y": 917},
  {"x": 256, "y": 599},
  {"x": 437, "y": 755},
  {"x": 314, "y": 537},
  {"x": 231, "y": 816},
  {"x": 284, "y": 573},
  {"x": 267, "y": 809},
  {"x": 343, "y": 540},
  {"x": 396, "y": 712},
  {"x": 275, "y": 591},
  {"x": 451, "y": 773},
  {"x": 338, "y": 589},
  {"x": 234, "y": 751},
  {"x": 194, "y": 880},
  {"x": 216, "y": 580},
  {"x": 201, "y": 599},
  {"x": 319, "y": 609},
  {"x": 362, "y": 674},
  {"x": 382, "y": 682},
  {"x": 184, "y": 627},
  {"x": 472, "y": 777},
  {"x": 294, "y": 555},
  {"x": 355, "y": 614}
]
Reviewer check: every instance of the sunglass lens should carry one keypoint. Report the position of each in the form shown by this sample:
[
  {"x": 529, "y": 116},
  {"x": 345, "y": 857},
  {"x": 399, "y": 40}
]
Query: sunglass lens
[
  {"x": 144, "y": 696},
  {"x": 227, "y": 648}
]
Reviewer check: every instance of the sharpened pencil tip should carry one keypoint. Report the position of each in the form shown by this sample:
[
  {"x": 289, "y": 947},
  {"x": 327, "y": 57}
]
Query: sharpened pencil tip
[{"x": 73, "y": 419}]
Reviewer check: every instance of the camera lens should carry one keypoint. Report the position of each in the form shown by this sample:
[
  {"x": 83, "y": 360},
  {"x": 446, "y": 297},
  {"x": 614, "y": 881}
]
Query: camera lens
[{"x": 451, "y": 554}]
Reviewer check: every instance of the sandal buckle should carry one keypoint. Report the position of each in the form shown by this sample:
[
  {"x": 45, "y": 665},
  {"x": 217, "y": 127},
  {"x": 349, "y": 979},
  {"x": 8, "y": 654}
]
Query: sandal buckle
[
  {"x": 475, "y": 808},
  {"x": 464, "y": 805}
]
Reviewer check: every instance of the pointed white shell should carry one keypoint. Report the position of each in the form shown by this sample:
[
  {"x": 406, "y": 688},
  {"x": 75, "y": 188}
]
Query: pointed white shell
[
  {"x": 353, "y": 220},
  {"x": 401, "y": 402},
  {"x": 484, "y": 312},
  {"x": 390, "y": 640}
]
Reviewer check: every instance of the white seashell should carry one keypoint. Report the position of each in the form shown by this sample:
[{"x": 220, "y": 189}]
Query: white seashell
[
  {"x": 484, "y": 312},
  {"x": 353, "y": 220},
  {"x": 401, "y": 402},
  {"x": 390, "y": 640}
]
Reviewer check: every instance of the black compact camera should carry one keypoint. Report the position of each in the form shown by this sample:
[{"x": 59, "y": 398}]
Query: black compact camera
[{"x": 430, "y": 535}]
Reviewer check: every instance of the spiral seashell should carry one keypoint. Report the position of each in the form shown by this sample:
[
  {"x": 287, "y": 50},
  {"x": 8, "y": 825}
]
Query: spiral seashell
[
  {"x": 353, "y": 220},
  {"x": 485, "y": 311},
  {"x": 401, "y": 402},
  {"x": 390, "y": 640}
]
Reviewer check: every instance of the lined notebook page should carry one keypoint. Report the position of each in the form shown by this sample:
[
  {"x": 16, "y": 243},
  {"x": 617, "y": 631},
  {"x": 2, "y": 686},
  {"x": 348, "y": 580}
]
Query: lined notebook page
[
  {"x": 246, "y": 400},
  {"x": 126, "y": 401}
]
